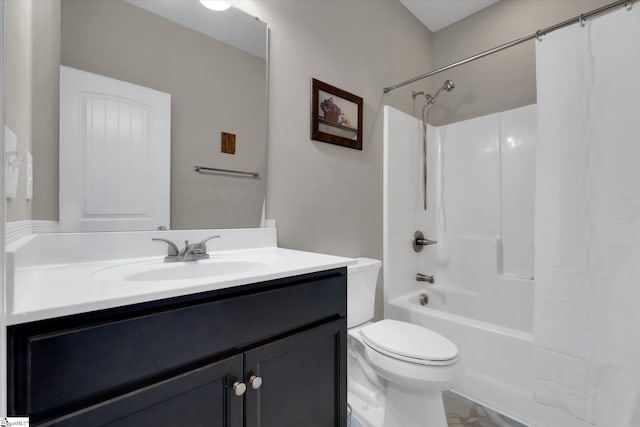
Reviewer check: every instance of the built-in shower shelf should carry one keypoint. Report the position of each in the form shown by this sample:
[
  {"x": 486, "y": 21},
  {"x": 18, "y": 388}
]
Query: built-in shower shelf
[{"x": 337, "y": 125}]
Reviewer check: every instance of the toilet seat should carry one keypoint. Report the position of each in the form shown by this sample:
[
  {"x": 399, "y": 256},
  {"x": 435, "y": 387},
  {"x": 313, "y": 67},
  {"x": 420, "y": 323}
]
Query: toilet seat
[{"x": 410, "y": 343}]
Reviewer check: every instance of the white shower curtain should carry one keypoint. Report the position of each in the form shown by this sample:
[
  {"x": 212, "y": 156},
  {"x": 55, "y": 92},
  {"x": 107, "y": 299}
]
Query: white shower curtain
[{"x": 587, "y": 251}]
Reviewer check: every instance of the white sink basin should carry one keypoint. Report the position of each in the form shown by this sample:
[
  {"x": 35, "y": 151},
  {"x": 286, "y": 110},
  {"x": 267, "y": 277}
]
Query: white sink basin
[
  {"x": 158, "y": 271},
  {"x": 195, "y": 270}
]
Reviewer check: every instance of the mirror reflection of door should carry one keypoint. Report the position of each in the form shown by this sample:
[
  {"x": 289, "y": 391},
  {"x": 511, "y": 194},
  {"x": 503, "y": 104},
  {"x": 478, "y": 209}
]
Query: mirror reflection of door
[
  {"x": 115, "y": 154},
  {"x": 215, "y": 87},
  {"x": 213, "y": 64}
]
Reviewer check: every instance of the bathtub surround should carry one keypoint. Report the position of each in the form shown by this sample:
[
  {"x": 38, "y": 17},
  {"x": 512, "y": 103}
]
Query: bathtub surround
[
  {"x": 587, "y": 299},
  {"x": 483, "y": 166}
]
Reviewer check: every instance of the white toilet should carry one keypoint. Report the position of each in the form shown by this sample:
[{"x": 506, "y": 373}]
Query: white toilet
[{"x": 397, "y": 371}]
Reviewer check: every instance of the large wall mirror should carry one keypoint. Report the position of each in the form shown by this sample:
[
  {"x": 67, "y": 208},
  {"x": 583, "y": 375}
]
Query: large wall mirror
[{"x": 212, "y": 64}]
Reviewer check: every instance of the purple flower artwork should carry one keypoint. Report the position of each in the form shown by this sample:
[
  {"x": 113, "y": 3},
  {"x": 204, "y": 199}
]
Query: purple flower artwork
[
  {"x": 336, "y": 116},
  {"x": 328, "y": 106}
]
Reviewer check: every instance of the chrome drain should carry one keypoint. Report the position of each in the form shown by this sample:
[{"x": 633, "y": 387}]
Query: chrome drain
[{"x": 424, "y": 299}]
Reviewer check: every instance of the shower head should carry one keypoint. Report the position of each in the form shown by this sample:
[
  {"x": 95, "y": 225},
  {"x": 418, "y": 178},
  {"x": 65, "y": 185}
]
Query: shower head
[{"x": 448, "y": 86}]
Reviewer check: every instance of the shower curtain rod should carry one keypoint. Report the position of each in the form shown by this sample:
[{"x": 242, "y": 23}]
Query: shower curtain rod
[{"x": 580, "y": 18}]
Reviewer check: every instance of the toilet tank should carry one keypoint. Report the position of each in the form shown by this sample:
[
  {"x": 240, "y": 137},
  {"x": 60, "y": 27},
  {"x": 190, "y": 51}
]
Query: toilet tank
[{"x": 361, "y": 290}]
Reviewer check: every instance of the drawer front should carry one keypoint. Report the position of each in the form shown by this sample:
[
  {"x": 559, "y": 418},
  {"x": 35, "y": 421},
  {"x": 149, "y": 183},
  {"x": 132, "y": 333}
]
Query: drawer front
[{"x": 68, "y": 367}]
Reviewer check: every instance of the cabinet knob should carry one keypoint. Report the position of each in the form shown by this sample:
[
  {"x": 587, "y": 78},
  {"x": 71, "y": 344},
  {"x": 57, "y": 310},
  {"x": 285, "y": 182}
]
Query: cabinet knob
[
  {"x": 255, "y": 381},
  {"x": 239, "y": 388}
]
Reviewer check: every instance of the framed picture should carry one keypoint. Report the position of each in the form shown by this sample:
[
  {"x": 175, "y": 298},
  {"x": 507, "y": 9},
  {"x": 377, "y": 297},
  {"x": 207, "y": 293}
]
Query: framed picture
[{"x": 336, "y": 116}]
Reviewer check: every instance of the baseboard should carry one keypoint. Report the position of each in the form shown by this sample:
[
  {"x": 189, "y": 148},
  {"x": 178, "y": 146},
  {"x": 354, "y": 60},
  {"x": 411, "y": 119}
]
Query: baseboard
[{"x": 15, "y": 230}]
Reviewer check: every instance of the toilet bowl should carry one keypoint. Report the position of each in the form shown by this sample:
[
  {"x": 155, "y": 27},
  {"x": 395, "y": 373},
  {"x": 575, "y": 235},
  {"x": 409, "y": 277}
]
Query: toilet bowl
[{"x": 397, "y": 371}]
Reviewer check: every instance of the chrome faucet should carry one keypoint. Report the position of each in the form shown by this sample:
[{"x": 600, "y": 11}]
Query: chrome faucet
[
  {"x": 424, "y": 278},
  {"x": 190, "y": 252}
]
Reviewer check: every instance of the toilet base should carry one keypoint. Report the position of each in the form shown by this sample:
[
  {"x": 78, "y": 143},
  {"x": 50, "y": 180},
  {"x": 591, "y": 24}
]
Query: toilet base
[
  {"x": 408, "y": 408},
  {"x": 364, "y": 414}
]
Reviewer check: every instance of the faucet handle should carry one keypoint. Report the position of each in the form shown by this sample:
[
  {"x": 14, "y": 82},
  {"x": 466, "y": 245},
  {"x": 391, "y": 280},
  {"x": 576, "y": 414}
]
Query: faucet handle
[
  {"x": 172, "y": 250},
  {"x": 203, "y": 241},
  {"x": 202, "y": 247}
]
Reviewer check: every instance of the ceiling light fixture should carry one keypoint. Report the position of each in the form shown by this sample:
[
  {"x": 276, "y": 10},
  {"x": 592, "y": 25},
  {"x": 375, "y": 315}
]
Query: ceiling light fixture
[{"x": 216, "y": 5}]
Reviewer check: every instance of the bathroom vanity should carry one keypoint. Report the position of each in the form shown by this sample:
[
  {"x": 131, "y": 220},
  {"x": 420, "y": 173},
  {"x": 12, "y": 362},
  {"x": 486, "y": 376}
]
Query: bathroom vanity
[{"x": 253, "y": 353}]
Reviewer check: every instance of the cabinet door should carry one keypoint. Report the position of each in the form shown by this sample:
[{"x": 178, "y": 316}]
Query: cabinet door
[
  {"x": 201, "y": 397},
  {"x": 303, "y": 380}
]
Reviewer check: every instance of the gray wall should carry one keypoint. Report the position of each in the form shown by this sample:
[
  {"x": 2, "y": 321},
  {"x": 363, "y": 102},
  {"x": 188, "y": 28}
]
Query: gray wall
[
  {"x": 214, "y": 87},
  {"x": 33, "y": 58},
  {"x": 46, "y": 81},
  {"x": 324, "y": 197},
  {"x": 502, "y": 81},
  {"x": 18, "y": 80}
]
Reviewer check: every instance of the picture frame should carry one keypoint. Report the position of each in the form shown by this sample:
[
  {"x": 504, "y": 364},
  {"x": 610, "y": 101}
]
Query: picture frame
[{"x": 336, "y": 115}]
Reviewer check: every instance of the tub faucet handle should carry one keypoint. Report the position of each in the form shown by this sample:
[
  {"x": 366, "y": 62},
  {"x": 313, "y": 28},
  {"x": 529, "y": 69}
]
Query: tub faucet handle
[
  {"x": 424, "y": 278},
  {"x": 419, "y": 241},
  {"x": 425, "y": 242}
]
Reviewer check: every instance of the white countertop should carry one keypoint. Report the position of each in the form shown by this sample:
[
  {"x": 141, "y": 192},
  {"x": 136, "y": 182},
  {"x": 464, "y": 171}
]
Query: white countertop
[{"x": 46, "y": 290}]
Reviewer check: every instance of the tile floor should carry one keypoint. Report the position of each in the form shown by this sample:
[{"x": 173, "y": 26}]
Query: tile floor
[{"x": 462, "y": 412}]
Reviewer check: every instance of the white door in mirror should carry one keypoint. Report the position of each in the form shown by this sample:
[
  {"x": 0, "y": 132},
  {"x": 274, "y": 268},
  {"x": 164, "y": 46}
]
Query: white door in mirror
[{"x": 115, "y": 148}]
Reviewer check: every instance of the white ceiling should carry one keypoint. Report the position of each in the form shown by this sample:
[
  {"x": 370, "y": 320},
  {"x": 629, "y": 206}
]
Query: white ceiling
[
  {"x": 232, "y": 26},
  {"x": 437, "y": 14}
]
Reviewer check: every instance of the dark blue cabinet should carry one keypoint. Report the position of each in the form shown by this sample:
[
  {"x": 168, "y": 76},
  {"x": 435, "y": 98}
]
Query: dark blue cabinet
[{"x": 161, "y": 362}]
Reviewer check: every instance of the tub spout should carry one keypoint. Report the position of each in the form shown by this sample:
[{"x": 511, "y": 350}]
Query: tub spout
[{"x": 424, "y": 278}]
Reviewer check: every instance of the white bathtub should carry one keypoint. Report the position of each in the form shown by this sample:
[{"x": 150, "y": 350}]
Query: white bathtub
[{"x": 497, "y": 359}]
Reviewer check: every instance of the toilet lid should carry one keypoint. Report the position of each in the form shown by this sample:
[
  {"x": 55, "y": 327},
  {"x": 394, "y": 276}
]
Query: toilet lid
[{"x": 409, "y": 342}]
